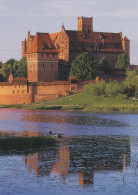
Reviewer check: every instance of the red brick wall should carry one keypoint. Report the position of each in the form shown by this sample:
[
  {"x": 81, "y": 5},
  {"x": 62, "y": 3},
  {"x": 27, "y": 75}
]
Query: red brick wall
[{"x": 15, "y": 99}]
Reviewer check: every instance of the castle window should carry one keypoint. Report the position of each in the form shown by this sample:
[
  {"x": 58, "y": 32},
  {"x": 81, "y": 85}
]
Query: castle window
[
  {"x": 53, "y": 55},
  {"x": 43, "y": 65},
  {"x": 42, "y": 55},
  {"x": 13, "y": 92}
]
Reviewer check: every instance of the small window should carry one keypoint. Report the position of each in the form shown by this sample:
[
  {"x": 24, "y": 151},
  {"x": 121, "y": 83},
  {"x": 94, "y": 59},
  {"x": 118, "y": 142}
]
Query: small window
[
  {"x": 42, "y": 55},
  {"x": 43, "y": 65},
  {"x": 53, "y": 55}
]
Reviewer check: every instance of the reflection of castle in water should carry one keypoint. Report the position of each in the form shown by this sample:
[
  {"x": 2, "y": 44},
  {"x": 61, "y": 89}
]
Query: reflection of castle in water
[{"x": 82, "y": 158}]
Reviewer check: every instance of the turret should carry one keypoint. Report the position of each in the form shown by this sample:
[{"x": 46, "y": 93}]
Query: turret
[
  {"x": 10, "y": 79},
  {"x": 126, "y": 46},
  {"x": 24, "y": 46}
]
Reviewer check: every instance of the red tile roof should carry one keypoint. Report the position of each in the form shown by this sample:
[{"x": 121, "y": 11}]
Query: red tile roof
[
  {"x": 42, "y": 43},
  {"x": 133, "y": 67},
  {"x": 87, "y": 41},
  {"x": 19, "y": 81}
]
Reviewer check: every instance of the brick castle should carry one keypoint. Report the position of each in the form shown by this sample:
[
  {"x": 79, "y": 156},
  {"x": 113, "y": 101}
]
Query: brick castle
[{"x": 49, "y": 57}]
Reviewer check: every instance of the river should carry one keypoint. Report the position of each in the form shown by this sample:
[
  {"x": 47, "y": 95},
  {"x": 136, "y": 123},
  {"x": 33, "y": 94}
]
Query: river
[{"x": 97, "y": 154}]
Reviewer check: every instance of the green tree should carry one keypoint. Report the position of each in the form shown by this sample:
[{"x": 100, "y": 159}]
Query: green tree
[
  {"x": 22, "y": 67},
  {"x": 104, "y": 65},
  {"x": 131, "y": 82},
  {"x": 122, "y": 62},
  {"x": 83, "y": 67},
  {"x": 19, "y": 69}
]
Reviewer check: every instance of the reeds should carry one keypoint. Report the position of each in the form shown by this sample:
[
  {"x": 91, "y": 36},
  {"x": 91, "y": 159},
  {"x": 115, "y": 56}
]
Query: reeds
[{"x": 25, "y": 143}]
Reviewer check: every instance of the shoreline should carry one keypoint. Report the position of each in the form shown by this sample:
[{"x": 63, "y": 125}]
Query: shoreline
[{"x": 92, "y": 108}]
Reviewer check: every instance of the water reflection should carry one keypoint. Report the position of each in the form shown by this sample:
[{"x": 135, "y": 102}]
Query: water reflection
[
  {"x": 73, "y": 118},
  {"x": 82, "y": 157}
]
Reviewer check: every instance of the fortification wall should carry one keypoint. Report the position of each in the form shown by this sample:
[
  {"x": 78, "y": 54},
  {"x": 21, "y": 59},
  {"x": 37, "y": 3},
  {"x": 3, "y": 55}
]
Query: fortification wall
[{"x": 15, "y": 99}]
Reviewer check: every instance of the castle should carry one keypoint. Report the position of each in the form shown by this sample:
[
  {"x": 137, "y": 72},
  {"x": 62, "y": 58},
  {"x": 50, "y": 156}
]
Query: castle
[{"x": 49, "y": 57}]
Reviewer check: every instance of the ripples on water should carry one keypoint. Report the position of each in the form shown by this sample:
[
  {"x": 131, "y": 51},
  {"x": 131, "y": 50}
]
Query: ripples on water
[{"x": 97, "y": 154}]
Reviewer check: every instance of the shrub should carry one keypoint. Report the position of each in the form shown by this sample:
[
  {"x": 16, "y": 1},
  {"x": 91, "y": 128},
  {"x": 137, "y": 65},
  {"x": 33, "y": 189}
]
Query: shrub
[
  {"x": 114, "y": 88},
  {"x": 97, "y": 89}
]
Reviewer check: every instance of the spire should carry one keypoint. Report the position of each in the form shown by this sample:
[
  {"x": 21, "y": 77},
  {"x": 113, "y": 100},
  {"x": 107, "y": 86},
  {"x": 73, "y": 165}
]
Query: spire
[{"x": 63, "y": 28}]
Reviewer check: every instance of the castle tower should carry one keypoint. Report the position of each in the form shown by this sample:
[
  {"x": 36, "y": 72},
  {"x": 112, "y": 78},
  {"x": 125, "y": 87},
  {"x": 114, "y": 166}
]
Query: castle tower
[
  {"x": 126, "y": 46},
  {"x": 85, "y": 24}
]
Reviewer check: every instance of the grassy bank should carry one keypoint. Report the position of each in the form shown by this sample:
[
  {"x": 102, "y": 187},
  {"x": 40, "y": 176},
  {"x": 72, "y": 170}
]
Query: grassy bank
[{"x": 85, "y": 102}]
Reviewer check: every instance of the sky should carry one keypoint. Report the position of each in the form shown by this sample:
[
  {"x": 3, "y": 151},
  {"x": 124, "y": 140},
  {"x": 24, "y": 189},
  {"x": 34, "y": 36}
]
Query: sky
[{"x": 17, "y": 17}]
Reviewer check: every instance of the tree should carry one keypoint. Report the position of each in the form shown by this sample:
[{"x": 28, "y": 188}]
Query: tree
[
  {"x": 22, "y": 67},
  {"x": 104, "y": 65},
  {"x": 83, "y": 67},
  {"x": 122, "y": 62},
  {"x": 19, "y": 69},
  {"x": 131, "y": 82}
]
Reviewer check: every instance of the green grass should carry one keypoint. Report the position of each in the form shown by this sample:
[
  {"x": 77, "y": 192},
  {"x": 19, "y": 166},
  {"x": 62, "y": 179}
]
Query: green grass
[{"x": 86, "y": 102}]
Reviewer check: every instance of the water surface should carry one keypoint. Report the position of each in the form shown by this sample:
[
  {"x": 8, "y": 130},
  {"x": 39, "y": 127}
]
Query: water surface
[{"x": 98, "y": 153}]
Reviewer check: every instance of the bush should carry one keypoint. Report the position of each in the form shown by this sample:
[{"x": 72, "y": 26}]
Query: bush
[
  {"x": 97, "y": 89},
  {"x": 114, "y": 88}
]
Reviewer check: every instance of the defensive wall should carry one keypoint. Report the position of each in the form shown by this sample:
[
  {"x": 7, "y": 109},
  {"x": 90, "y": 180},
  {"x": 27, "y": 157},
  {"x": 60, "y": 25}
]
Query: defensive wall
[{"x": 20, "y": 93}]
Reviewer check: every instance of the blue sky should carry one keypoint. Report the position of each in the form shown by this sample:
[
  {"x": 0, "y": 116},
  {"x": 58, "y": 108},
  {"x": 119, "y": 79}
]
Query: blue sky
[{"x": 17, "y": 17}]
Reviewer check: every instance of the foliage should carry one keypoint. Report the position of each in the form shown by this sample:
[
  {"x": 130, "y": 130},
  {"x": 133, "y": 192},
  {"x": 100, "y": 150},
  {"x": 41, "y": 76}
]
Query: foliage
[
  {"x": 19, "y": 69},
  {"x": 104, "y": 65},
  {"x": 131, "y": 82},
  {"x": 83, "y": 67},
  {"x": 122, "y": 62},
  {"x": 96, "y": 89},
  {"x": 114, "y": 88}
]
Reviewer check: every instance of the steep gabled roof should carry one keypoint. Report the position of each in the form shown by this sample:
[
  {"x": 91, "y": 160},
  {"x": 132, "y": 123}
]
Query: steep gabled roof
[{"x": 42, "y": 43}]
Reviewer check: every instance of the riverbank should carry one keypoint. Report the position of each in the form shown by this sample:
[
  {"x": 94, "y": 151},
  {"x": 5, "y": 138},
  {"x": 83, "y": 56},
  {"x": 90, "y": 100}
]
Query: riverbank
[{"x": 84, "y": 102}]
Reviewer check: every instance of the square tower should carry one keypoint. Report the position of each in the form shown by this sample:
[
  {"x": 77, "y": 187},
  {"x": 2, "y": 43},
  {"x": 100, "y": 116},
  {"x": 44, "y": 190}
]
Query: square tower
[{"x": 85, "y": 24}]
